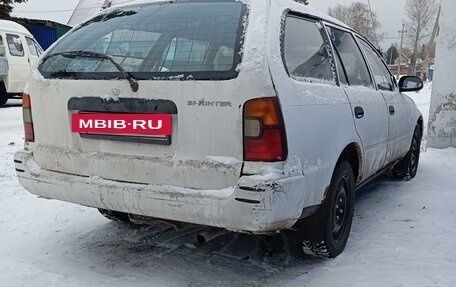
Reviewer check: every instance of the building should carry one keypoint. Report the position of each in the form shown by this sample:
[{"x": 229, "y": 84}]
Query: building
[
  {"x": 405, "y": 61},
  {"x": 45, "y": 32}
]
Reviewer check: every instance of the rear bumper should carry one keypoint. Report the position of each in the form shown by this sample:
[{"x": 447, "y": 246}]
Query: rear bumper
[{"x": 250, "y": 206}]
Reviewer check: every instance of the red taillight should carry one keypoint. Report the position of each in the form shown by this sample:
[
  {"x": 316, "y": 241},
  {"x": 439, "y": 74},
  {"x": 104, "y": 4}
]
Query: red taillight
[
  {"x": 28, "y": 120},
  {"x": 264, "y": 132}
]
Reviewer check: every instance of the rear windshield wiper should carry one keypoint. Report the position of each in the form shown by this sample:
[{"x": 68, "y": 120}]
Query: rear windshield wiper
[{"x": 94, "y": 55}]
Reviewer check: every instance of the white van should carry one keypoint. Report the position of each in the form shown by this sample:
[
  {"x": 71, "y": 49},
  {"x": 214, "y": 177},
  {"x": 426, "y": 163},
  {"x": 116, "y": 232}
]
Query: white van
[
  {"x": 18, "y": 53},
  {"x": 252, "y": 116}
]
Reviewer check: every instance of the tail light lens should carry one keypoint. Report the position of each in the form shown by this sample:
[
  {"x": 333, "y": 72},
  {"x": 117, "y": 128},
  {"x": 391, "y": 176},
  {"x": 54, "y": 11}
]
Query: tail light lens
[
  {"x": 28, "y": 120},
  {"x": 264, "y": 132}
]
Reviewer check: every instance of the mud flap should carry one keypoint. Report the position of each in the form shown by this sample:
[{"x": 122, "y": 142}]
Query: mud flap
[{"x": 312, "y": 226}]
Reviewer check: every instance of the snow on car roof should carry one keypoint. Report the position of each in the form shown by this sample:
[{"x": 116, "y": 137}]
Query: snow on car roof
[{"x": 285, "y": 3}]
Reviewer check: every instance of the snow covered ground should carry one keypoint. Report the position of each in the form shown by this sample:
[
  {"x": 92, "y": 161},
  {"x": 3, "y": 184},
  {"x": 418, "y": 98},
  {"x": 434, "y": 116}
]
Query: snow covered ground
[{"x": 404, "y": 234}]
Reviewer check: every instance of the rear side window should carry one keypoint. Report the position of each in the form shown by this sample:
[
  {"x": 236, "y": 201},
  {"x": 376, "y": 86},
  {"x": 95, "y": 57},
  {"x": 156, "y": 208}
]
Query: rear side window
[
  {"x": 192, "y": 40},
  {"x": 15, "y": 45},
  {"x": 351, "y": 57},
  {"x": 304, "y": 51},
  {"x": 341, "y": 71},
  {"x": 31, "y": 47},
  {"x": 381, "y": 74}
]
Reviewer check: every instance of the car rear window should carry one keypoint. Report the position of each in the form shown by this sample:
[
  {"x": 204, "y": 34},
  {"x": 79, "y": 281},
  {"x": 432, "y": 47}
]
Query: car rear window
[{"x": 187, "y": 40}]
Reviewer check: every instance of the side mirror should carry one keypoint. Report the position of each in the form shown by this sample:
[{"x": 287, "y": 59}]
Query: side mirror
[{"x": 410, "y": 84}]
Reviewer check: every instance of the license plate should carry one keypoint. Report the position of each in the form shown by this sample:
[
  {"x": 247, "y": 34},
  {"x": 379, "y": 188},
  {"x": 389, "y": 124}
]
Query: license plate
[{"x": 156, "y": 125}]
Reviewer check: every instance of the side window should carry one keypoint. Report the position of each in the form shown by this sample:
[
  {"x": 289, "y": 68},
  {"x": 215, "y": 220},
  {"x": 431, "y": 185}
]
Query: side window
[
  {"x": 15, "y": 45},
  {"x": 38, "y": 48},
  {"x": 304, "y": 51},
  {"x": 381, "y": 74},
  {"x": 31, "y": 47},
  {"x": 351, "y": 57},
  {"x": 340, "y": 70}
]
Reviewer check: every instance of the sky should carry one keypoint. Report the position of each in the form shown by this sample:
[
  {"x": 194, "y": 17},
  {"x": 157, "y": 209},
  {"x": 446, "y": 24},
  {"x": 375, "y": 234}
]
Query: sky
[{"x": 390, "y": 12}]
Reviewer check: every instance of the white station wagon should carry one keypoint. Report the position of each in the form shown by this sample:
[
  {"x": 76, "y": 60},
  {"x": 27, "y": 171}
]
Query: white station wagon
[{"x": 250, "y": 116}]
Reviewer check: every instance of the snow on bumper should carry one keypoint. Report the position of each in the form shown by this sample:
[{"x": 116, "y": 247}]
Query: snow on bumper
[{"x": 256, "y": 206}]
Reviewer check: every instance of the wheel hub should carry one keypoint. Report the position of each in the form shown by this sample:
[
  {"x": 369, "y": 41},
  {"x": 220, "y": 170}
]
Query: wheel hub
[
  {"x": 414, "y": 152},
  {"x": 340, "y": 211}
]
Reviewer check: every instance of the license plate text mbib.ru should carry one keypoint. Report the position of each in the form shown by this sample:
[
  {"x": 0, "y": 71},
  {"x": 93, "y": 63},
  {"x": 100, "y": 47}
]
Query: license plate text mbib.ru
[{"x": 122, "y": 124}]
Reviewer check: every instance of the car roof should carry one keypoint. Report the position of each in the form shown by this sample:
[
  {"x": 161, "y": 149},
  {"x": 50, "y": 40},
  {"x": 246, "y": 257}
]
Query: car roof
[
  {"x": 286, "y": 3},
  {"x": 13, "y": 27},
  {"x": 305, "y": 9}
]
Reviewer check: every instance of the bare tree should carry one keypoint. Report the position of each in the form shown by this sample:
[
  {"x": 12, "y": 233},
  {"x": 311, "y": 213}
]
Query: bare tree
[
  {"x": 420, "y": 18},
  {"x": 358, "y": 16}
]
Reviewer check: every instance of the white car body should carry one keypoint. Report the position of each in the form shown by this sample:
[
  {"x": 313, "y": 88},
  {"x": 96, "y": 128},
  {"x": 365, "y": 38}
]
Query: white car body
[
  {"x": 202, "y": 177},
  {"x": 19, "y": 52}
]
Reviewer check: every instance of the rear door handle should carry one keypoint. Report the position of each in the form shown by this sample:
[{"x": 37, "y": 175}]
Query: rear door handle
[
  {"x": 359, "y": 112},
  {"x": 392, "y": 110}
]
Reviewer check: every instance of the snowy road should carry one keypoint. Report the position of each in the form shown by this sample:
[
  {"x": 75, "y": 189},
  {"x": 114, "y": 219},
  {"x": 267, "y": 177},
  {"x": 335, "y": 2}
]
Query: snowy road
[{"x": 404, "y": 234}]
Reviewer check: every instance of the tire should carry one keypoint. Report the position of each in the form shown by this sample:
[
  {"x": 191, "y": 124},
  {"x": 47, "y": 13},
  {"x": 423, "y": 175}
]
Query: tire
[
  {"x": 3, "y": 100},
  {"x": 3, "y": 95},
  {"x": 407, "y": 168},
  {"x": 114, "y": 215},
  {"x": 332, "y": 223}
]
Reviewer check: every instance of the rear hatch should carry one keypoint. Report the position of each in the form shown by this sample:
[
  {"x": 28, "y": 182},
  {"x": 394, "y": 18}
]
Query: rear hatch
[{"x": 184, "y": 57}]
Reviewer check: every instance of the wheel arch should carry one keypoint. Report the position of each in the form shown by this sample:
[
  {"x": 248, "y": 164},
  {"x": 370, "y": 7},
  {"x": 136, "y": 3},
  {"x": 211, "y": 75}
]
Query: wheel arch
[
  {"x": 352, "y": 153},
  {"x": 311, "y": 226}
]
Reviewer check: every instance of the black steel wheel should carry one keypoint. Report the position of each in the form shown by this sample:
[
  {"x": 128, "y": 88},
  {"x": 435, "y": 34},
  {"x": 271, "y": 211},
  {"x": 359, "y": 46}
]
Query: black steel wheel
[
  {"x": 326, "y": 233},
  {"x": 340, "y": 211}
]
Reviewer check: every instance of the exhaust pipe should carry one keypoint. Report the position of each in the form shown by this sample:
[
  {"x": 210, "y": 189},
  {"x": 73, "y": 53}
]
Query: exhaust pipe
[{"x": 210, "y": 234}]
